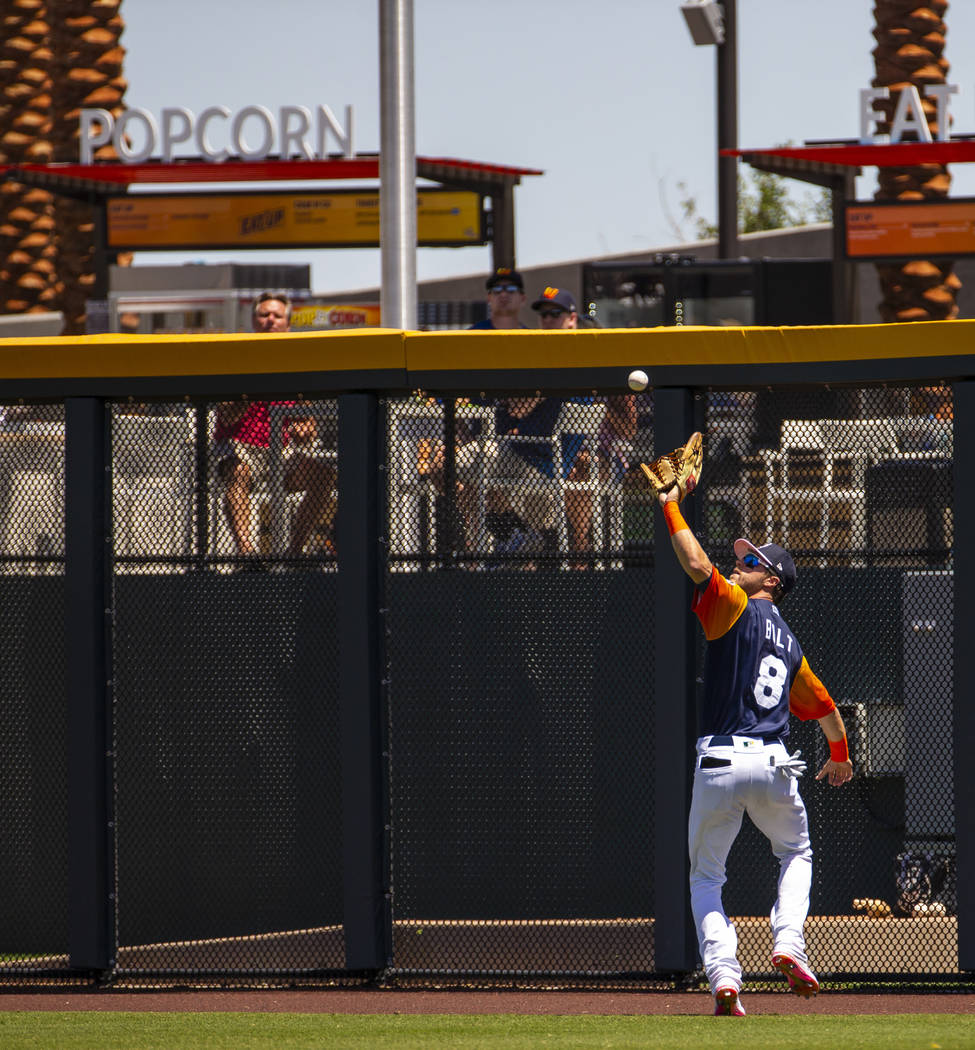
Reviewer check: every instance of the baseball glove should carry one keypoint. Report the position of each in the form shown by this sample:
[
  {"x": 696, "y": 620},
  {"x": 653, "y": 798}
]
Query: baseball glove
[{"x": 680, "y": 468}]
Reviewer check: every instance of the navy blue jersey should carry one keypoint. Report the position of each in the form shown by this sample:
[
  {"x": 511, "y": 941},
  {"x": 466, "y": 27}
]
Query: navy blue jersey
[
  {"x": 488, "y": 324},
  {"x": 538, "y": 423},
  {"x": 752, "y": 662}
]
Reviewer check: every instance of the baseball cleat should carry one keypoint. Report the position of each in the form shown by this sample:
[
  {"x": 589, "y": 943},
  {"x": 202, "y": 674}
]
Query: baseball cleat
[
  {"x": 801, "y": 981},
  {"x": 727, "y": 1003}
]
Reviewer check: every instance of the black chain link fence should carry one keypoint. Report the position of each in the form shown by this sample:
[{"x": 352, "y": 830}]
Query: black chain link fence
[
  {"x": 33, "y": 751},
  {"x": 521, "y": 785},
  {"x": 517, "y": 682},
  {"x": 225, "y": 697}
]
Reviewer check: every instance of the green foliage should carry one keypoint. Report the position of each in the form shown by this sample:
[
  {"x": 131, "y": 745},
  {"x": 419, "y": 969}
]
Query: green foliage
[
  {"x": 764, "y": 203},
  {"x": 688, "y": 1030}
]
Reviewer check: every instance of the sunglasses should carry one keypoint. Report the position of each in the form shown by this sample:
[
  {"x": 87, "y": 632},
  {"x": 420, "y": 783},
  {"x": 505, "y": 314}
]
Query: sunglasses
[
  {"x": 505, "y": 288},
  {"x": 552, "y": 313},
  {"x": 752, "y": 561}
]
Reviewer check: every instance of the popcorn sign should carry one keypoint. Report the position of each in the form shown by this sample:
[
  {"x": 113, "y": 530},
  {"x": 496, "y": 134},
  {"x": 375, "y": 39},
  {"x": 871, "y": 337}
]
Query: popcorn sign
[{"x": 217, "y": 133}]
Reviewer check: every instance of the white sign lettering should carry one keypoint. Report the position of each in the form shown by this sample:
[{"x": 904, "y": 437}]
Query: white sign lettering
[
  {"x": 909, "y": 118},
  {"x": 940, "y": 93},
  {"x": 250, "y": 133}
]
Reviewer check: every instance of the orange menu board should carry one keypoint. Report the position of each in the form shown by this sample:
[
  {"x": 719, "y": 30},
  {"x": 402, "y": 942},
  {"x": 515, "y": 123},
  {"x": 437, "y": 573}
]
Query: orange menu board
[
  {"x": 340, "y": 219},
  {"x": 916, "y": 229}
]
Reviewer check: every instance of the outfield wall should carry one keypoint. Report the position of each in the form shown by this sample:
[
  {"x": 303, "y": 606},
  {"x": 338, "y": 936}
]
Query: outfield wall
[{"x": 450, "y": 737}]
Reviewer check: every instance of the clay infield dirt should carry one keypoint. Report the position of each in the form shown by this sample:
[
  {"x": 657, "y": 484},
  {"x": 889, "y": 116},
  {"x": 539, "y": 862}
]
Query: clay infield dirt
[{"x": 383, "y": 1001}]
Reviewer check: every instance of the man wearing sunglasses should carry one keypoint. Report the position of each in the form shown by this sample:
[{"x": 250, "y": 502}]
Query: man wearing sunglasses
[
  {"x": 506, "y": 297},
  {"x": 556, "y": 308},
  {"x": 755, "y": 676}
]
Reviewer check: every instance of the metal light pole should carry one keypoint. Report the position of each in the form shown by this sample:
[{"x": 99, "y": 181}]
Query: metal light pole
[
  {"x": 716, "y": 24},
  {"x": 397, "y": 165},
  {"x": 727, "y": 106}
]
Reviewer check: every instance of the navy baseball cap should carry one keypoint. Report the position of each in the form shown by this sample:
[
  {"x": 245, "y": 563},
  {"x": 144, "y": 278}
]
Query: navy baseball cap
[
  {"x": 505, "y": 275},
  {"x": 558, "y": 297},
  {"x": 775, "y": 558}
]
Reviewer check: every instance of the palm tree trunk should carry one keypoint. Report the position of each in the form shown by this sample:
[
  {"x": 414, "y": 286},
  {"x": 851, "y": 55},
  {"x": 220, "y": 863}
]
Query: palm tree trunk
[
  {"x": 87, "y": 73},
  {"x": 28, "y": 281},
  {"x": 56, "y": 57},
  {"x": 910, "y": 37}
]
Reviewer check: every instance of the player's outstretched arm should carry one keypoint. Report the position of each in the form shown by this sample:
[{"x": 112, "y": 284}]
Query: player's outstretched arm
[
  {"x": 689, "y": 552},
  {"x": 673, "y": 476},
  {"x": 838, "y": 768}
]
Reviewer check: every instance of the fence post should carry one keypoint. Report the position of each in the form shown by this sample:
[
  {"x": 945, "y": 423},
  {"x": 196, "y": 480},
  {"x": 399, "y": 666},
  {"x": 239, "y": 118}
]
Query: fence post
[
  {"x": 963, "y": 560},
  {"x": 675, "y": 716},
  {"x": 88, "y": 614},
  {"x": 360, "y": 539}
]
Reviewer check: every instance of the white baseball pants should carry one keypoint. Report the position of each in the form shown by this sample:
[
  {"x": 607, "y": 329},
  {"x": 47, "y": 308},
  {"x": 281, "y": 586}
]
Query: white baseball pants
[{"x": 749, "y": 782}]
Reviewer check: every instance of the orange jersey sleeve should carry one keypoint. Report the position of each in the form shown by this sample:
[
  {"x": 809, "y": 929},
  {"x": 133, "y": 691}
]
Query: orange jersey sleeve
[
  {"x": 719, "y": 605},
  {"x": 808, "y": 697}
]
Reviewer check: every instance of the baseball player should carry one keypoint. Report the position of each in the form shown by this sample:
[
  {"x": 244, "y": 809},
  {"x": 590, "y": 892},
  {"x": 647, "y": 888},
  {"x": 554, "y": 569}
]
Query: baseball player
[{"x": 755, "y": 675}]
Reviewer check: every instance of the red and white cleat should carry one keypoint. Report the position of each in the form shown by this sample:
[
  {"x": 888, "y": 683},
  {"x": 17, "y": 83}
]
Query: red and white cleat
[
  {"x": 727, "y": 1003},
  {"x": 801, "y": 981}
]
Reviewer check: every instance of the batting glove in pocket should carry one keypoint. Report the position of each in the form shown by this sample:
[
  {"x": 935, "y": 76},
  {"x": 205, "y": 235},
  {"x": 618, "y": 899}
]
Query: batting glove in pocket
[{"x": 793, "y": 766}]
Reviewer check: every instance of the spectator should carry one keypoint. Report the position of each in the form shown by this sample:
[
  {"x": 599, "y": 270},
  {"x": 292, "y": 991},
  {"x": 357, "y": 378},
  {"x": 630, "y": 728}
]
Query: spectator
[
  {"x": 520, "y": 503},
  {"x": 517, "y": 468},
  {"x": 242, "y": 447},
  {"x": 557, "y": 309},
  {"x": 272, "y": 313},
  {"x": 506, "y": 297}
]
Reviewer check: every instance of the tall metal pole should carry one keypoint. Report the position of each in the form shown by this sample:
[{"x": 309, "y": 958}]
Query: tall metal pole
[
  {"x": 397, "y": 165},
  {"x": 727, "y": 86}
]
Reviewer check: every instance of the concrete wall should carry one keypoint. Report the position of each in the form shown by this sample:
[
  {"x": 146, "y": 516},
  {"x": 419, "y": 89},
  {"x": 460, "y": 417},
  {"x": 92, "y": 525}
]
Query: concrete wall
[
  {"x": 810, "y": 242},
  {"x": 804, "y": 242}
]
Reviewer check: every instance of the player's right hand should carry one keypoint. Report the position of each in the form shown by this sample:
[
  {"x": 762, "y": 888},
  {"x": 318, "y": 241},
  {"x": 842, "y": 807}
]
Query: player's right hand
[{"x": 837, "y": 773}]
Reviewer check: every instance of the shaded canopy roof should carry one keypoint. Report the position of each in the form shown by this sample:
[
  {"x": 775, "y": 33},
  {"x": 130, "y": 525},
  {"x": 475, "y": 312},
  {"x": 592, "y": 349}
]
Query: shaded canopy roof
[
  {"x": 106, "y": 177},
  {"x": 856, "y": 155}
]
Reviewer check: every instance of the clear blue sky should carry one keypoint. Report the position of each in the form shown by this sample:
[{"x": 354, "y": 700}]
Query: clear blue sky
[{"x": 610, "y": 98}]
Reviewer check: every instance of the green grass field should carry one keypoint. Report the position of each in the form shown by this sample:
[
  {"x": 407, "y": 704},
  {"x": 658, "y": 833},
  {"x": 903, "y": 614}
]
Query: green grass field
[{"x": 262, "y": 1031}]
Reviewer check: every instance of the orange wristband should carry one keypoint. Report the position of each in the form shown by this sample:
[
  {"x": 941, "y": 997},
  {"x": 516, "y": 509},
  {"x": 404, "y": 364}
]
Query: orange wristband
[
  {"x": 839, "y": 751},
  {"x": 674, "y": 518}
]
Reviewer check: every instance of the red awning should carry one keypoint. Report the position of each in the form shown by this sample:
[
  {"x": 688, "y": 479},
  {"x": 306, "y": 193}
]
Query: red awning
[
  {"x": 898, "y": 155},
  {"x": 114, "y": 174}
]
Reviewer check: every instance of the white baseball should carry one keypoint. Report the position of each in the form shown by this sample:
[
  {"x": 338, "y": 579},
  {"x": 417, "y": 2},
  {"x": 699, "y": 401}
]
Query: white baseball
[{"x": 638, "y": 379}]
